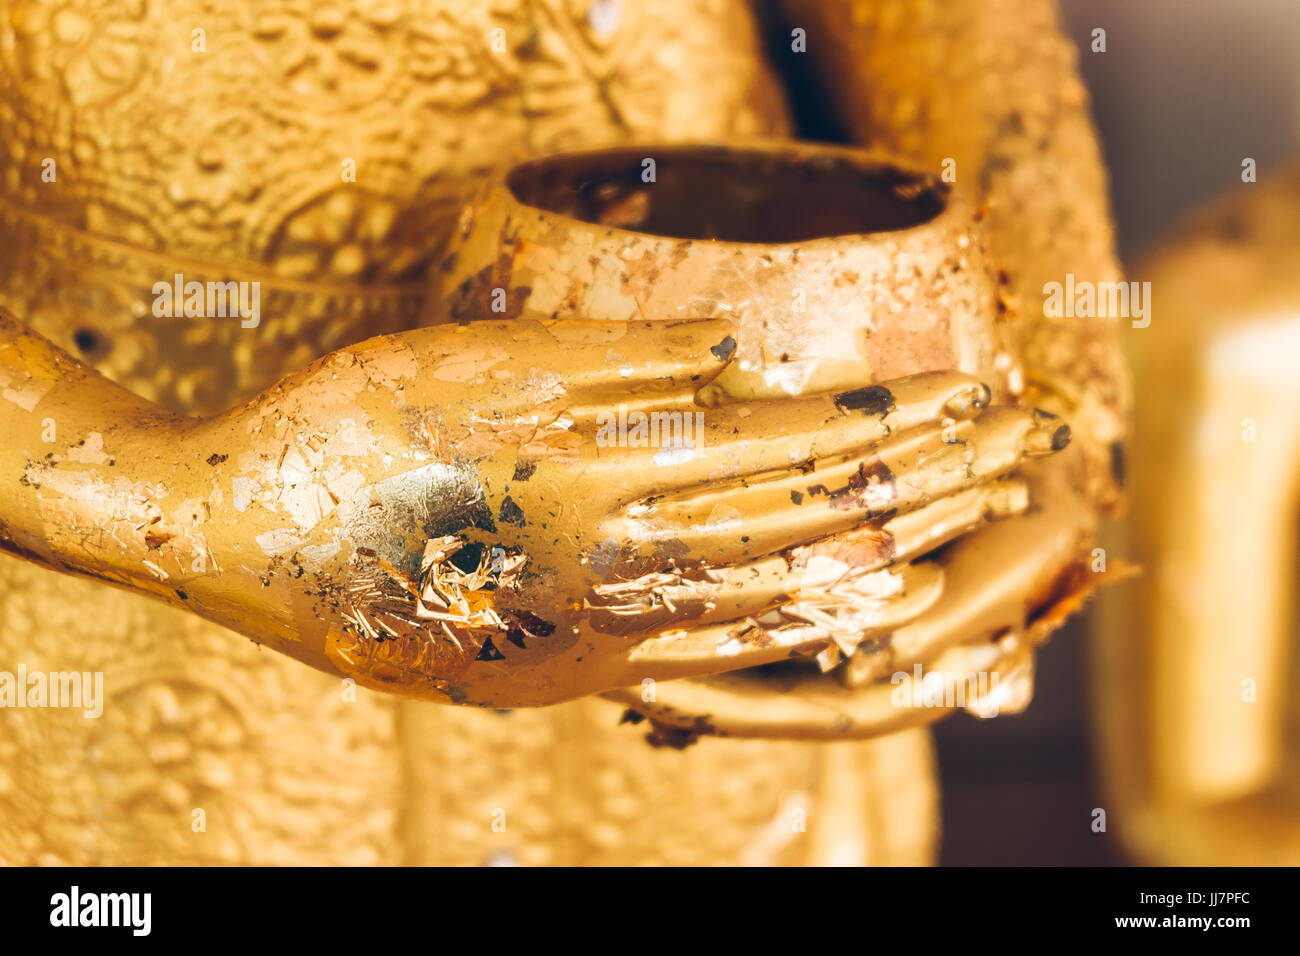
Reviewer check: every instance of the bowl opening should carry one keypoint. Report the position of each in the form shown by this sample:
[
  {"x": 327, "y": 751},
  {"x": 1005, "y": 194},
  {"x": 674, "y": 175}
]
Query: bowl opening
[{"x": 732, "y": 195}]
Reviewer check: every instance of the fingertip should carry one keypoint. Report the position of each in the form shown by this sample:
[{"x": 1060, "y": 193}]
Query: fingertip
[
  {"x": 1047, "y": 436},
  {"x": 971, "y": 398}
]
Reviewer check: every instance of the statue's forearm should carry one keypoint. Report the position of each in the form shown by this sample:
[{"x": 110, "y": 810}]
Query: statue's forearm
[
  {"x": 96, "y": 481},
  {"x": 83, "y": 465}
]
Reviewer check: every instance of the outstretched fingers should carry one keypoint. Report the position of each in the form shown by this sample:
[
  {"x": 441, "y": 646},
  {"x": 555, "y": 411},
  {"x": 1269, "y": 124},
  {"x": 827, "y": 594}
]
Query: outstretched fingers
[{"x": 772, "y": 505}]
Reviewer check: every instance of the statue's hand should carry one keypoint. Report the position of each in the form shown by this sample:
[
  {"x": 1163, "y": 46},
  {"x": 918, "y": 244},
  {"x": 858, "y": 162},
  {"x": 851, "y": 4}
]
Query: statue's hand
[
  {"x": 519, "y": 512},
  {"x": 476, "y": 513}
]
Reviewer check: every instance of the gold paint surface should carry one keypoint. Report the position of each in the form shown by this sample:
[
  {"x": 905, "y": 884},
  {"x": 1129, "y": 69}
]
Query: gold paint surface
[
  {"x": 585, "y": 234},
  {"x": 276, "y": 500}
]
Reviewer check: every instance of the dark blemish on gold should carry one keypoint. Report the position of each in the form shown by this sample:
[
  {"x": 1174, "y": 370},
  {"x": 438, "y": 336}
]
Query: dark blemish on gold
[
  {"x": 631, "y": 716},
  {"x": 468, "y": 558},
  {"x": 90, "y": 343},
  {"x": 214, "y": 459},
  {"x": 675, "y": 738},
  {"x": 524, "y": 470},
  {"x": 528, "y": 625},
  {"x": 724, "y": 349},
  {"x": 156, "y": 539},
  {"x": 678, "y": 738},
  {"x": 872, "y": 400},
  {"x": 489, "y": 652},
  {"x": 1061, "y": 438},
  {"x": 511, "y": 513},
  {"x": 182, "y": 595},
  {"x": 796, "y": 497},
  {"x": 872, "y": 487},
  {"x": 1118, "y": 463}
]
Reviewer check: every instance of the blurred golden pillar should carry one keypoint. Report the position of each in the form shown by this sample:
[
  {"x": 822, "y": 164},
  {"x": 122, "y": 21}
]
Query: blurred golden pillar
[{"x": 1195, "y": 660}]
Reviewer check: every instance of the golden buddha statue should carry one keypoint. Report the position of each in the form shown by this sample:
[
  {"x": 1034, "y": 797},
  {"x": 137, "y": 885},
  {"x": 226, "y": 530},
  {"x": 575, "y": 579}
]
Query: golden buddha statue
[{"x": 432, "y": 512}]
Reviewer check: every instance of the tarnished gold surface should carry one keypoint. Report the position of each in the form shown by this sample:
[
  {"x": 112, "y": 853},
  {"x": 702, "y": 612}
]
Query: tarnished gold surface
[
  {"x": 889, "y": 279},
  {"x": 287, "y": 766},
  {"x": 436, "y": 514},
  {"x": 1199, "y": 718},
  {"x": 988, "y": 91},
  {"x": 838, "y": 268}
]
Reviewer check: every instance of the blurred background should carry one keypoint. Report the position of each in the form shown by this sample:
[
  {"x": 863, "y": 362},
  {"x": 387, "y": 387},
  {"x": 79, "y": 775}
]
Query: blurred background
[{"x": 1184, "y": 91}]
